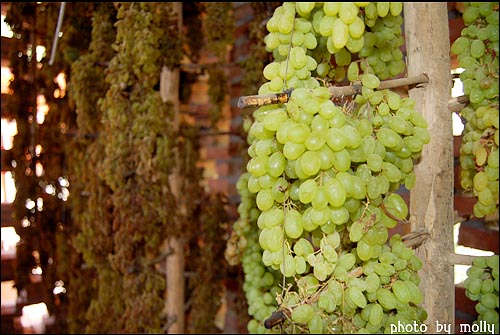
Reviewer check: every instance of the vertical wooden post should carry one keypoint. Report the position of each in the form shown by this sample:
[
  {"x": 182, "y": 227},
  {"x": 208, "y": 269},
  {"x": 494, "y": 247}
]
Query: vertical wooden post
[
  {"x": 431, "y": 200},
  {"x": 169, "y": 83}
]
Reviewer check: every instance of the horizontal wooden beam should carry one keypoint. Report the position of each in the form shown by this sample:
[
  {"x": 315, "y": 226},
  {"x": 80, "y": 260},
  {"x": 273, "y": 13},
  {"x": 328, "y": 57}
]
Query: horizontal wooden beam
[
  {"x": 335, "y": 91},
  {"x": 459, "y": 259},
  {"x": 455, "y": 105}
]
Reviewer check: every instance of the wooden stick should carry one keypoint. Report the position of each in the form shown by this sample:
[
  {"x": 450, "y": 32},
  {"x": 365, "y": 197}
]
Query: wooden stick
[
  {"x": 460, "y": 259},
  {"x": 458, "y": 103},
  {"x": 353, "y": 89},
  {"x": 431, "y": 199},
  {"x": 264, "y": 100},
  {"x": 416, "y": 238},
  {"x": 56, "y": 34},
  {"x": 335, "y": 91}
]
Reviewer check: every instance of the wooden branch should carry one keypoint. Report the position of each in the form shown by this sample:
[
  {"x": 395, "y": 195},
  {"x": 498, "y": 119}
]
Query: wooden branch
[
  {"x": 335, "y": 91},
  {"x": 416, "y": 238},
  {"x": 265, "y": 99},
  {"x": 458, "y": 103},
  {"x": 170, "y": 322},
  {"x": 353, "y": 89},
  {"x": 161, "y": 257},
  {"x": 461, "y": 259}
]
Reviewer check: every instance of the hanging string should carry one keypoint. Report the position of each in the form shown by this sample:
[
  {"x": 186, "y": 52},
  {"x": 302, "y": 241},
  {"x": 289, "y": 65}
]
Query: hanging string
[{"x": 56, "y": 34}]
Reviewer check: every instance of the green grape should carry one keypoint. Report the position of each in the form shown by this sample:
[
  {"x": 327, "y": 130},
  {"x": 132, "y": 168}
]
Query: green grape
[
  {"x": 401, "y": 291},
  {"x": 356, "y": 28},
  {"x": 298, "y": 133},
  {"x": 292, "y": 150},
  {"x": 336, "y": 139},
  {"x": 303, "y": 247},
  {"x": 376, "y": 314},
  {"x": 384, "y": 269},
  {"x": 372, "y": 282},
  {"x": 307, "y": 221},
  {"x": 370, "y": 80},
  {"x": 348, "y": 12},
  {"x": 395, "y": 8},
  {"x": 383, "y": 8},
  {"x": 264, "y": 199},
  {"x": 276, "y": 164},
  {"x": 307, "y": 191},
  {"x": 321, "y": 270},
  {"x": 340, "y": 35},
  {"x": 316, "y": 325},
  {"x": 346, "y": 261},
  {"x": 357, "y": 231},
  {"x": 274, "y": 239},
  {"x": 319, "y": 217},
  {"x": 310, "y": 162},
  {"x": 298, "y": 57},
  {"x": 356, "y": 296},
  {"x": 343, "y": 57},
  {"x": 320, "y": 202},
  {"x": 287, "y": 267},
  {"x": 339, "y": 215},
  {"x": 341, "y": 160},
  {"x": 416, "y": 295},
  {"x": 398, "y": 124},
  {"x": 352, "y": 136},
  {"x": 364, "y": 250},
  {"x": 315, "y": 141},
  {"x": 335, "y": 193},
  {"x": 326, "y": 302},
  {"x": 389, "y": 138},
  {"x": 386, "y": 298},
  {"x": 293, "y": 224},
  {"x": 300, "y": 265},
  {"x": 271, "y": 70},
  {"x": 374, "y": 162},
  {"x": 263, "y": 147},
  {"x": 480, "y": 181},
  {"x": 326, "y": 26},
  {"x": 304, "y": 8}
]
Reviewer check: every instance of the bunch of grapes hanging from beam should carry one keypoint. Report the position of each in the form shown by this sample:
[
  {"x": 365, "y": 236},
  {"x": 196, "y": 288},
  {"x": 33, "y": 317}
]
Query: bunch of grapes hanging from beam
[
  {"x": 477, "y": 50},
  {"x": 320, "y": 190},
  {"x": 481, "y": 285}
]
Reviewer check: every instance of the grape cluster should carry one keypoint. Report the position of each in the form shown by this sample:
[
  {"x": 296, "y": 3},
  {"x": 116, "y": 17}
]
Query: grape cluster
[
  {"x": 319, "y": 194},
  {"x": 260, "y": 282},
  {"x": 477, "y": 50},
  {"x": 481, "y": 285}
]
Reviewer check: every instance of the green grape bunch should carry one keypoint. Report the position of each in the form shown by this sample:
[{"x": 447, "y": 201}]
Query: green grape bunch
[
  {"x": 477, "y": 51},
  {"x": 481, "y": 285},
  {"x": 320, "y": 190}
]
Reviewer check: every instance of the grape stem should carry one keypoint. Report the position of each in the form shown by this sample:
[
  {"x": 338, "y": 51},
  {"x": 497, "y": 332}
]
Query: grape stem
[{"x": 335, "y": 91}]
